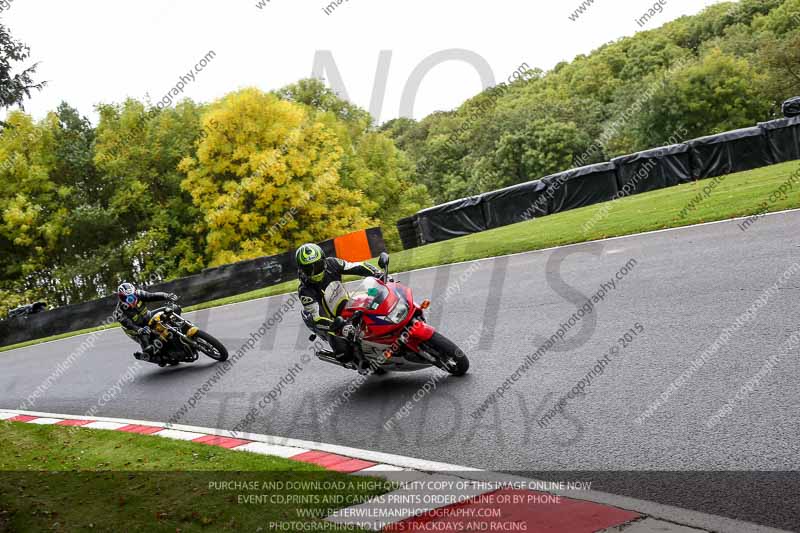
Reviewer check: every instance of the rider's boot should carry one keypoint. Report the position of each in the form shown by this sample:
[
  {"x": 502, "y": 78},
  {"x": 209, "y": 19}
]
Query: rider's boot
[
  {"x": 148, "y": 355},
  {"x": 364, "y": 368}
]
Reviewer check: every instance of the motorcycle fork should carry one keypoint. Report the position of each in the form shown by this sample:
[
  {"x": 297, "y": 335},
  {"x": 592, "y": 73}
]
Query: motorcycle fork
[
  {"x": 358, "y": 353},
  {"x": 188, "y": 345}
]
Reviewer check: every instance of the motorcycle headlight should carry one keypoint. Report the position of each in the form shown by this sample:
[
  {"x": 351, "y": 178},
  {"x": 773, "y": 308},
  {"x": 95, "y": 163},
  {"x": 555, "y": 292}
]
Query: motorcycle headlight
[{"x": 399, "y": 312}]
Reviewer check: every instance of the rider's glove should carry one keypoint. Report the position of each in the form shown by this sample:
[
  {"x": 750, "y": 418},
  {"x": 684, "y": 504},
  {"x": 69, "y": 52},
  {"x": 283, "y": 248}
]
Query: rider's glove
[
  {"x": 348, "y": 331},
  {"x": 338, "y": 323},
  {"x": 172, "y": 297},
  {"x": 144, "y": 332}
]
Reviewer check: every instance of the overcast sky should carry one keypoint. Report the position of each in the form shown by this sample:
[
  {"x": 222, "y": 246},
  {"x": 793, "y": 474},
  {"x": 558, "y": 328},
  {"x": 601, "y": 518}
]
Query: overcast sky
[{"x": 94, "y": 51}]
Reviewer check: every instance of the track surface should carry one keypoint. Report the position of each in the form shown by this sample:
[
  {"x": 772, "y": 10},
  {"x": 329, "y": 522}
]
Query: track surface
[{"x": 687, "y": 286}]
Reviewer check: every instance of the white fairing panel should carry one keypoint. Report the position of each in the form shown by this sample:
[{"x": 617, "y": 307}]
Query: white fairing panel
[{"x": 335, "y": 295}]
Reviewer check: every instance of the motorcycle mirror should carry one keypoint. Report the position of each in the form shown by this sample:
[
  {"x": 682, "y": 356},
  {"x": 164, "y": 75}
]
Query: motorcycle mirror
[{"x": 383, "y": 260}]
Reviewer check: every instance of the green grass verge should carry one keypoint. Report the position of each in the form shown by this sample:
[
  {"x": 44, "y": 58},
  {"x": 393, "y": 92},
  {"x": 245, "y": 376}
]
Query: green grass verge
[
  {"x": 72, "y": 479},
  {"x": 734, "y": 196}
]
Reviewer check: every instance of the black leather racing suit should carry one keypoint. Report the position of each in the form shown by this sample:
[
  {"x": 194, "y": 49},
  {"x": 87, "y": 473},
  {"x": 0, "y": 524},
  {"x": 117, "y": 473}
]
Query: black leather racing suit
[
  {"x": 134, "y": 318},
  {"x": 315, "y": 313}
]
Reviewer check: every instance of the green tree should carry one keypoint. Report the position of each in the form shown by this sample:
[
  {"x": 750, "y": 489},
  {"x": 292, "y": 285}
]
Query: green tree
[
  {"x": 267, "y": 179},
  {"x": 32, "y": 207},
  {"x": 716, "y": 94},
  {"x": 371, "y": 164},
  {"x": 315, "y": 94},
  {"x": 138, "y": 150},
  {"x": 14, "y": 88}
]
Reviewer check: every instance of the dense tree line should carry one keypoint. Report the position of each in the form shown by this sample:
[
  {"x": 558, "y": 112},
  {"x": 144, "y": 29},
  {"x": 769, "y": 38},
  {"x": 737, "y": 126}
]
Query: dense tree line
[
  {"x": 728, "y": 67},
  {"x": 151, "y": 192}
]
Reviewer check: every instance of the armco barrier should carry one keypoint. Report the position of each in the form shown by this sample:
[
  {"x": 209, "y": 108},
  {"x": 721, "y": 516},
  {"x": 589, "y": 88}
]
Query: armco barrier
[
  {"x": 715, "y": 155},
  {"x": 210, "y": 284}
]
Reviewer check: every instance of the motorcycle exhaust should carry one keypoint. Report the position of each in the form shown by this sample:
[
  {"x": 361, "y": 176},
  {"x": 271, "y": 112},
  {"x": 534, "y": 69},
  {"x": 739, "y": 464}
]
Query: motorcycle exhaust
[{"x": 330, "y": 359}]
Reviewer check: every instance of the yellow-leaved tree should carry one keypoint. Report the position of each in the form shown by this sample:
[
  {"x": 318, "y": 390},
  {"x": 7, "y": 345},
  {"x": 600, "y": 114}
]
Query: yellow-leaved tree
[{"x": 266, "y": 177}]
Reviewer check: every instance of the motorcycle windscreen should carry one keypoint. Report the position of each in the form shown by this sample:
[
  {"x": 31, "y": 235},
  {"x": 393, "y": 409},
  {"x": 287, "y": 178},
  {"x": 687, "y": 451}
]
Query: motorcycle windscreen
[{"x": 369, "y": 295}]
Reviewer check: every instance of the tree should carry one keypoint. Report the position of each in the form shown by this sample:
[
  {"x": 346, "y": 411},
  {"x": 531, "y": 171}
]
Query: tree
[
  {"x": 267, "y": 179},
  {"x": 32, "y": 207},
  {"x": 780, "y": 58},
  {"x": 315, "y": 94},
  {"x": 14, "y": 88},
  {"x": 370, "y": 163},
  {"x": 716, "y": 94},
  {"x": 779, "y": 50},
  {"x": 138, "y": 151},
  {"x": 384, "y": 174}
]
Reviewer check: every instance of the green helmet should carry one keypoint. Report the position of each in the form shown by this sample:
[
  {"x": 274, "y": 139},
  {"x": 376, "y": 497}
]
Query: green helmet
[{"x": 310, "y": 261}]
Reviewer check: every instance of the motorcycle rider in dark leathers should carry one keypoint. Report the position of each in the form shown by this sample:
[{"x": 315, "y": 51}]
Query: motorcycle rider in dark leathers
[
  {"x": 316, "y": 273},
  {"x": 134, "y": 316}
]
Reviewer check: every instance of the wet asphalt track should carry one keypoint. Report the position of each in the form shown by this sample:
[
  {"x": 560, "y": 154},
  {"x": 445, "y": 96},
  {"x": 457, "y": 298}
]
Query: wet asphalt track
[{"x": 686, "y": 287}]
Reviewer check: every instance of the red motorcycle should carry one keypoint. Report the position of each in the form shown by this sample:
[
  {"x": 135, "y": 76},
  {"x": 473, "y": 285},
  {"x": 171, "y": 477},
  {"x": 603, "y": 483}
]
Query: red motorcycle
[{"x": 389, "y": 330}]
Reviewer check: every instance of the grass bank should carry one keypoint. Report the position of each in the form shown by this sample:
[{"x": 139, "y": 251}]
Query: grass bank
[
  {"x": 736, "y": 195},
  {"x": 72, "y": 479}
]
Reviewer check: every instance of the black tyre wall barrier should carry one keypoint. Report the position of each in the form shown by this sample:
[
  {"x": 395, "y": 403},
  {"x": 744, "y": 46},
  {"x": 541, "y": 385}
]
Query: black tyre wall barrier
[
  {"x": 729, "y": 152},
  {"x": 228, "y": 280},
  {"x": 409, "y": 232},
  {"x": 653, "y": 169},
  {"x": 580, "y": 187},
  {"x": 783, "y": 138},
  {"x": 450, "y": 220},
  {"x": 210, "y": 284},
  {"x": 60, "y": 320},
  {"x": 715, "y": 155},
  {"x": 376, "y": 242},
  {"x": 514, "y": 204}
]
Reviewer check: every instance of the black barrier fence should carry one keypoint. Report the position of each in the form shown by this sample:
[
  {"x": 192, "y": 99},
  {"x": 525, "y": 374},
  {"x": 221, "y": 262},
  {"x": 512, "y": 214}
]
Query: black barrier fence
[
  {"x": 654, "y": 169},
  {"x": 783, "y": 138},
  {"x": 210, "y": 284},
  {"x": 580, "y": 187},
  {"x": 771, "y": 142},
  {"x": 453, "y": 219},
  {"x": 515, "y": 204},
  {"x": 729, "y": 152},
  {"x": 409, "y": 229}
]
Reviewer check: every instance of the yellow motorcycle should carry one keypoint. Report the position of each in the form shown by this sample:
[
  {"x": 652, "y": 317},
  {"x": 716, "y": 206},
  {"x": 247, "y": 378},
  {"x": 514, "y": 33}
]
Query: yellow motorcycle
[{"x": 179, "y": 341}]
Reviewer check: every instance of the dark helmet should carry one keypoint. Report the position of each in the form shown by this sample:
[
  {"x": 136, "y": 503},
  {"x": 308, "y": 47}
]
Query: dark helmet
[
  {"x": 127, "y": 294},
  {"x": 310, "y": 262}
]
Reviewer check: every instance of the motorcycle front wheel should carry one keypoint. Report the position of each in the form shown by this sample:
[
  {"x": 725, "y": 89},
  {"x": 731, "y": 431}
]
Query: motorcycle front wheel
[
  {"x": 452, "y": 358},
  {"x": 211, "y": 346}
]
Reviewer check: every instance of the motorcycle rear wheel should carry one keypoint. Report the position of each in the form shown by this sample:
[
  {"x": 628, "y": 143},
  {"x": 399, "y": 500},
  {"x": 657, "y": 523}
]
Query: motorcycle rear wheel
[
  {"x": 452, "y": 358},
  {"x": 211, "y": 346}
]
